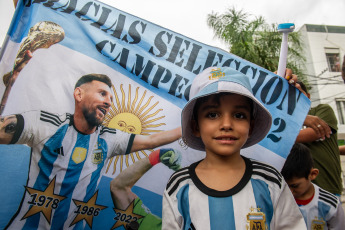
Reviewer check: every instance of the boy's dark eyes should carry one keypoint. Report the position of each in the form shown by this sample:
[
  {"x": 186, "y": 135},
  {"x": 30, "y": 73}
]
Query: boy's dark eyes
[
  {"x": 240, "y": 115},
  {"x": 212, "y": 115},
  {"x": 216, "y": 115}
]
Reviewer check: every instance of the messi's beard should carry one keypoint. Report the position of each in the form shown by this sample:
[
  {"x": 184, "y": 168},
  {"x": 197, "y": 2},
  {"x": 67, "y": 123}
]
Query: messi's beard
[{"x": 91, "y": 118}]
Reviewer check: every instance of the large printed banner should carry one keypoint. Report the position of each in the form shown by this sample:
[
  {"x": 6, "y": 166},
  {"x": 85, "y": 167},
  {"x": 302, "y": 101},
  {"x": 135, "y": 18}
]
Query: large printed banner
[{"x": 51, "y": 44}]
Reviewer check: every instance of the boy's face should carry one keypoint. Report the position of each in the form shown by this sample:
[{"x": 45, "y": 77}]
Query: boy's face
[
  {"x": 301, "y": 188},
  {"x": 224, "y": 126}
]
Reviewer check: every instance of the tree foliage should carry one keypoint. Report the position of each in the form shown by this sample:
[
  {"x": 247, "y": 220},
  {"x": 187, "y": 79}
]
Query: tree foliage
[{"x": 255, "y": 40}]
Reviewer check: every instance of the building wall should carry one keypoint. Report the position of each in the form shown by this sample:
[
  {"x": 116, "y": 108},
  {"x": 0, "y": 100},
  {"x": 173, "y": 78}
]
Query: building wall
[{"x": 327, "y": 86}]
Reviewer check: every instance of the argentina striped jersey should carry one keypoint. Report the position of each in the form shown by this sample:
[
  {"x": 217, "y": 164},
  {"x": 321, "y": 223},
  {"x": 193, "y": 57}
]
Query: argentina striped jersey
[
  {"x": 324, "y": 211},
  {"x": 65, "y": 169},
  {"x": 261, "y": 199}
]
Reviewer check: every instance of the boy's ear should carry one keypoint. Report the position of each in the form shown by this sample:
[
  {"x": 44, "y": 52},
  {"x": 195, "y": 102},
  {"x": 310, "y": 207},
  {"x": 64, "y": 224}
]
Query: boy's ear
[
  {"x": 313, "y": 173},
  {"x": 195, "y": 128}
]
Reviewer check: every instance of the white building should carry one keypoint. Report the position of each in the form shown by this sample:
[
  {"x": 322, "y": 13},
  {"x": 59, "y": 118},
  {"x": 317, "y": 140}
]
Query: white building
[{"x": 325, "y": 50}]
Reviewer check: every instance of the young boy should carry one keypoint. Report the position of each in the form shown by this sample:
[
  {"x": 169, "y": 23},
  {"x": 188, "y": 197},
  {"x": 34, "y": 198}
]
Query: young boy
[
  {"x": 320, "y": 209},
  {"x": 226, "y": 190}
]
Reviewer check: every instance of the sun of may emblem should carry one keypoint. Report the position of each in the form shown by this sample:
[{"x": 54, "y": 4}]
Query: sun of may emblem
[{"x": 135, "y": 114}]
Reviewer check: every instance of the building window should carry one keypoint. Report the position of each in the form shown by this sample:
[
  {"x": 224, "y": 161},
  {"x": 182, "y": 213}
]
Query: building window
[
  {"x": 333, "y": 59},
  {"x": 341, "y": 110}
]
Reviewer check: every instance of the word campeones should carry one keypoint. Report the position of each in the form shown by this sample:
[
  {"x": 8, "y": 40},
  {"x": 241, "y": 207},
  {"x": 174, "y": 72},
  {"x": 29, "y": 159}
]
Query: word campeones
[{"x": 160, "y": 52}]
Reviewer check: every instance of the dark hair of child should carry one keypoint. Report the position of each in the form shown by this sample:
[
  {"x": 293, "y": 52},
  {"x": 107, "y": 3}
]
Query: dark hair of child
[{"x": 298, "y": 163}]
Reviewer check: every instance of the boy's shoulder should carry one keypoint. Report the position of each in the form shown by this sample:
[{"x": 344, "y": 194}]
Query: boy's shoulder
[
  {"x": 266, "y": 172},
  {"x": 180, "y": 177},
  {"x": 326, "y": 197}
]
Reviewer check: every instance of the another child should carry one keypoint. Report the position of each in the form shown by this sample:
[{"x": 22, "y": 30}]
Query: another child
[
  {"x": 320, "y": 209},
  {"x": 226, "y": 190}
]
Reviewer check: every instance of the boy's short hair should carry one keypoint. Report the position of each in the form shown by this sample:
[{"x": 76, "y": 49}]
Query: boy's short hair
[
  {"x": 298, "y": 163},
  {"x": 93, "y": 77},
  {"x": 214, "y": 81}
]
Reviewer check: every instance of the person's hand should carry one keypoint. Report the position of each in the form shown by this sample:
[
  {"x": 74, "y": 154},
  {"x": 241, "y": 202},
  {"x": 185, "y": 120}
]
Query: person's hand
[
  {"x": 320, "y": 127},
  {"x": 169, "y": 157},
  {"x": 290, "y": 77}
]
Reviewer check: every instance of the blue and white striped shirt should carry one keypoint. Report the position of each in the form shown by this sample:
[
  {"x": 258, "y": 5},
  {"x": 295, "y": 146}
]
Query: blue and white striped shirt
[
  {"x": 261, "y": 198},
  {"x": 65, "y": 168},
  {"x": 324, "y": 211}
]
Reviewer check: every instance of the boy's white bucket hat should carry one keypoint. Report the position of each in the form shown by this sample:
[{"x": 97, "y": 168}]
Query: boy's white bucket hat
[{"x": 214, "y": 80}]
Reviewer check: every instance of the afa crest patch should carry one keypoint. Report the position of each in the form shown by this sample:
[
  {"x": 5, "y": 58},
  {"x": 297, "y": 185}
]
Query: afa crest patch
[
  {"x": 318, "y": 223},
  {"x": 216, "y": 74},
  {"x": 256, "y": 219},
  {"x": 97, "y": 156}
]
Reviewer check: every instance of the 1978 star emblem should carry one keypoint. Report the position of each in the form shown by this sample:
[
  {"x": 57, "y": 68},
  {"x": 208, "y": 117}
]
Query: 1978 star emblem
[{"x": 43, "y": 201}]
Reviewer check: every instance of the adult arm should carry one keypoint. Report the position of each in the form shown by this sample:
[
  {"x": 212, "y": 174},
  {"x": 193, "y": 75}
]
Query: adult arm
[
  {"x": 121, "y": 186},
  {"x": 317, "y": 129},
  {"x": 142, "y": 142},
  {"x": 342, "y": 150}
]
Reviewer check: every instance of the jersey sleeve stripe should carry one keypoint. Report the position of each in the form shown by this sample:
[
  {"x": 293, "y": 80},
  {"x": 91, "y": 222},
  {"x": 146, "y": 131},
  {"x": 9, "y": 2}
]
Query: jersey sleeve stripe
[
  {"x": 328, "y": 198},
  {"x": 51, "y": 118},
  {"x": 328, "y": 201},
  {"x": 269, "y": 178},
  {"x": 176, "y": 179},
  {"x": 173, "y": 189},
  {"x": 107, "y": 130},
  {"x": 177, "y": 174},
  {"x": 49, "y": 121},
  {"x": 54, "y": 116},
  {"x": 268, "y": 168}
]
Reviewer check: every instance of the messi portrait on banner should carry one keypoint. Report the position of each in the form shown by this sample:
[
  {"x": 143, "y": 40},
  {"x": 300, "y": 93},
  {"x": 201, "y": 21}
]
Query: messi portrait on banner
[{"x": 98, "y": 176}]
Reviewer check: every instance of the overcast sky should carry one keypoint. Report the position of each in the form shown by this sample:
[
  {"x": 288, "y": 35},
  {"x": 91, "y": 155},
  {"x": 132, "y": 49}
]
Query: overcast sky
[{"x": 188, "y": 17}]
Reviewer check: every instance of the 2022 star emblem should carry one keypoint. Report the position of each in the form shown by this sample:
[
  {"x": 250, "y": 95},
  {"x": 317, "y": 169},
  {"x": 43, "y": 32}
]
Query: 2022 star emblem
[
  {"x": 43, "y": 201},
  {"x": 124, "y": 217}
]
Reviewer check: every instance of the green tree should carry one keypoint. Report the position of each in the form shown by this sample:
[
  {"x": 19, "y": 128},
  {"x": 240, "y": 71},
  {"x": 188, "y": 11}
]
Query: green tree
[{"x": 256, "y": 41}]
